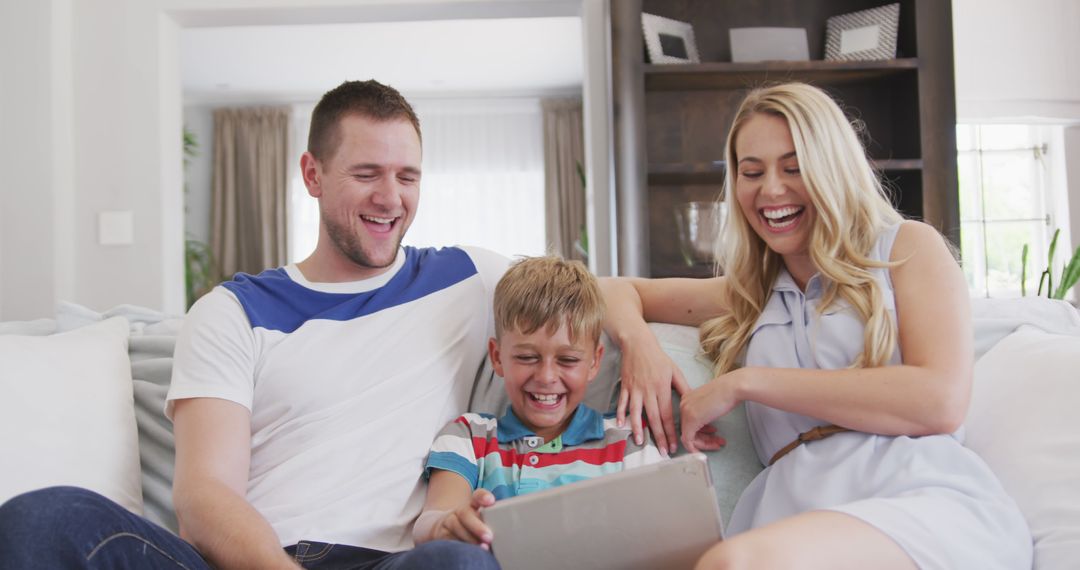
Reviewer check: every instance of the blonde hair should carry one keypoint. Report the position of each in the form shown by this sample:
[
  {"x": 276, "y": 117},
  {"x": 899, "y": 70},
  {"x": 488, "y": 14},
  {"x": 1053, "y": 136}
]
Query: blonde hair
[
  {"x": 852, "y": 210},
  {"x": 548, "y": 292}
]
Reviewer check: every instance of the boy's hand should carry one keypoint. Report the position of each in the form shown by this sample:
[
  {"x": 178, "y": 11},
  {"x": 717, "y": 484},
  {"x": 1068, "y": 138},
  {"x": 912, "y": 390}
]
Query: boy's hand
[{"x": 465, "y": 524}]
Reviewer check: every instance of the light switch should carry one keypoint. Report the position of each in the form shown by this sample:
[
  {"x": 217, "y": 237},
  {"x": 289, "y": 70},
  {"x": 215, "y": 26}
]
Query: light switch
[{"x": 116, "y": 228}]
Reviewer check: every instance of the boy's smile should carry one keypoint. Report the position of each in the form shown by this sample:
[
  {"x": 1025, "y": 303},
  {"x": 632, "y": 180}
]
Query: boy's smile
[{"x": 546, "y": 375}]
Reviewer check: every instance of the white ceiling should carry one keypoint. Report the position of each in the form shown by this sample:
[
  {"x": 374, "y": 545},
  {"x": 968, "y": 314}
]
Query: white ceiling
[{"x": 489, "y": 57}]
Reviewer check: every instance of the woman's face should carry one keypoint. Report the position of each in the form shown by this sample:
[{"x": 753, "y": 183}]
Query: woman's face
[{"x": 769, "y": 186}]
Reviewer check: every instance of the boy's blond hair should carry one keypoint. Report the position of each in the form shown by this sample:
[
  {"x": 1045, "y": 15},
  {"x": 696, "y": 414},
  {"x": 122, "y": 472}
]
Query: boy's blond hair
[{"x": 548, "y": 292}]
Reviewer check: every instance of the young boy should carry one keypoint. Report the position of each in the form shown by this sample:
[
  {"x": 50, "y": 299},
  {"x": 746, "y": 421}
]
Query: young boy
[{"x": 548, "y": 318}]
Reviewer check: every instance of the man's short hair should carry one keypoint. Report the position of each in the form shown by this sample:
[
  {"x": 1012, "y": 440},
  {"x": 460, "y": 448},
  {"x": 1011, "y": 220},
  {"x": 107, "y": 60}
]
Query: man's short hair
[
  {"x": 369, "y": 99},
  {"x": 548, "y": 292}
]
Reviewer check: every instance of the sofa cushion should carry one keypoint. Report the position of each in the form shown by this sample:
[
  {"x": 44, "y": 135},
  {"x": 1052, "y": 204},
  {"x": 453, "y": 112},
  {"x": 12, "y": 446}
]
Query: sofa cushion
[
  {"x": 1023, "y": 422},
  {"x": 736, "y": 464},
  {"x": 67, "y": 413},
  {"x": 994, "y": 319},
  {"x": 150, "y": 350},
  {"x": 151, "y": 372}
]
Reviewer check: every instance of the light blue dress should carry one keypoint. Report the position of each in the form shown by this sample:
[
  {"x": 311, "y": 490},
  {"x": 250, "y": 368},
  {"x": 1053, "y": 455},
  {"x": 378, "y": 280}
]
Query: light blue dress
[{"x": 937, "y": 499}]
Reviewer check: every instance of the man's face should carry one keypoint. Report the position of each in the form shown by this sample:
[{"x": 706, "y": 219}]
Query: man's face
[{"x": 369, "y": 189}]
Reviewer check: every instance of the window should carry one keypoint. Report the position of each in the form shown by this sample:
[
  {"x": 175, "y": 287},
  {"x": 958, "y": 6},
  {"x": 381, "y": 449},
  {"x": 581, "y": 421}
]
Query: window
[
  {"x": 1008, "y": 198},
  {"x": 483, "y": 180},
  {"x": 482, "y": 184}
]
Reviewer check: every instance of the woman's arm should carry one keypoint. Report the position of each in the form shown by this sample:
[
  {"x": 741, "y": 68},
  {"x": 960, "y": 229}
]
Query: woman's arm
[
  {"x": 648, "y": 374},
  {"x": 452, "y": 511},
  {"x": 927, "y": 394}
]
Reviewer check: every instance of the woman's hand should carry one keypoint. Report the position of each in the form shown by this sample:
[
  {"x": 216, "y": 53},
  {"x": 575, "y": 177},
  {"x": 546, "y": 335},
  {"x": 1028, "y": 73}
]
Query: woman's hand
[
  {"x": 465, "y": 524},
  {"x": 703, "y": 405},
  {"x": 707, "y": 439},
  {"x": 647, "y": 377}
]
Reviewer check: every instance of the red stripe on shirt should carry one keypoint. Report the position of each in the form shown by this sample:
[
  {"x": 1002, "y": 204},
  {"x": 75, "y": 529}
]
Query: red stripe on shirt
[
  {"x": 484, "y": 446},
  {"x": 613, "y": 453}
]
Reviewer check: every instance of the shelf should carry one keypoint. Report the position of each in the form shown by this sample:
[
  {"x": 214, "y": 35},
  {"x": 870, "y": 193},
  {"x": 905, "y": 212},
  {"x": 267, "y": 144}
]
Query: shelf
[
  {"x": 894, "y": 164},
  {"x": 681, "y": 269},
  {"x": 674, "y": 118},
  {"x": 724, "y": 75},
  {"x": 687, "y": 173},
  {"x": 683, "y": 173}
]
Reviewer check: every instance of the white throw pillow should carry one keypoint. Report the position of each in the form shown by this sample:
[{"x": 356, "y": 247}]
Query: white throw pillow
[
  {"x": 67, "y": 414},
  {"x": 995, "y": 319},
  {"x": 1024, "y": 422}
]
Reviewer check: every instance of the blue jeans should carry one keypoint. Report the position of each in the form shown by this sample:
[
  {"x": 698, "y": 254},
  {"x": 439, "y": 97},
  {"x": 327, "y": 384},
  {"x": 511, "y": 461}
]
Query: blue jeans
[{"x": 69, "y": 527}]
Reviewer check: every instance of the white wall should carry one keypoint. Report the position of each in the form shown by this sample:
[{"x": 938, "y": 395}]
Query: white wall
[
  {"x": 35, "y": 156},
  {"x": 1017, "y": 59},
  {"x": 92, "y": 120},
  {"x": 82, "y": 117}
]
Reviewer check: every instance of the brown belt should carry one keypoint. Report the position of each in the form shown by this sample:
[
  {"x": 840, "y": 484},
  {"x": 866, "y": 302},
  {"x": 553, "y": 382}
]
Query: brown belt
[{"x": 820, "y": 432}]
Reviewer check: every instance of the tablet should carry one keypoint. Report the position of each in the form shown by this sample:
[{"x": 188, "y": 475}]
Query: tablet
[{"x": 662, "y": 515}]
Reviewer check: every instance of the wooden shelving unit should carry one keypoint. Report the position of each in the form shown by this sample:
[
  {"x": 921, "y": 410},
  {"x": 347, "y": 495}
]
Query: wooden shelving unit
[
  {"x": 689, "y": 173},
  {"x": 691, "y": 76},
  {"x": 678, "y": 115}
]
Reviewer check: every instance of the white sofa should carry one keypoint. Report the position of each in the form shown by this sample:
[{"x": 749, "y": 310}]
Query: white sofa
[{"x": 82, "y": 397}]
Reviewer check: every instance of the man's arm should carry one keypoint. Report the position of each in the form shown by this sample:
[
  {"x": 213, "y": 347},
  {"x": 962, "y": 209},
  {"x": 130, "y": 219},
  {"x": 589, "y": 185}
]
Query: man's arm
[{"x": 213, "y": 453}]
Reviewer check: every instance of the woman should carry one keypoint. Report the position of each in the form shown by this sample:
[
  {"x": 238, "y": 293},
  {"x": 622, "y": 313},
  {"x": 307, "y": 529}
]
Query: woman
[{"x": 835, "y": 319}]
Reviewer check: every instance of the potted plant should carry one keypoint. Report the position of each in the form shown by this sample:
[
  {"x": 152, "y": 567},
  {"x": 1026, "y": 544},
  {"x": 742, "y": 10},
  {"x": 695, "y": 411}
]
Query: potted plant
[
  {"x": 1070, "y": 272},
  {"x": 200, "y": 269}
]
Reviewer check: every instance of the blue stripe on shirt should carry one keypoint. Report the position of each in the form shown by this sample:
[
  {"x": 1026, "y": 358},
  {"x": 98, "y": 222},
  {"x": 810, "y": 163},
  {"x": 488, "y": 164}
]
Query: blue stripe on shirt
[
  {"x": 448, "y": 461},
  {"x": 273, "y": 301}
]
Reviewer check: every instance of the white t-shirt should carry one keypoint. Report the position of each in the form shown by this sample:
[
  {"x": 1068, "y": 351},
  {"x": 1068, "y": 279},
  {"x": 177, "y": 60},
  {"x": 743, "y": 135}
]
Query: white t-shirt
[{"x": 347, "y": 383}]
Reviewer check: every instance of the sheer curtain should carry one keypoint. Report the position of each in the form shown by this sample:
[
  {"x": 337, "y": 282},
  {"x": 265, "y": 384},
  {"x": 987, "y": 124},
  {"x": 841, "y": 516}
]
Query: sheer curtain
[
  {"x": 483, "y": 178},
  {"x": 303, "y": 209},
  {"x": 483, "y": 181}
]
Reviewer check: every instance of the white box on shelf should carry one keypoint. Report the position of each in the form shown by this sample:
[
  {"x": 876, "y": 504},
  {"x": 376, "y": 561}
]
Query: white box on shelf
[{"x": 769, "y": 44}]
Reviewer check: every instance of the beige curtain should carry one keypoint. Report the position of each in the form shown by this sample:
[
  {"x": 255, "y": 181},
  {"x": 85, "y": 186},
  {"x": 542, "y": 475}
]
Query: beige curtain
[
  {"x": 248, "y": 211},
  {"x": 564, "y": 193}
]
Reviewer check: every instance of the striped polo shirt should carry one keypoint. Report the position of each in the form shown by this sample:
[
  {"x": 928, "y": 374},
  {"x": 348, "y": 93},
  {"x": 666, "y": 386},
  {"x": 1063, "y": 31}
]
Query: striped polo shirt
[{"x": 508, "y": 459}]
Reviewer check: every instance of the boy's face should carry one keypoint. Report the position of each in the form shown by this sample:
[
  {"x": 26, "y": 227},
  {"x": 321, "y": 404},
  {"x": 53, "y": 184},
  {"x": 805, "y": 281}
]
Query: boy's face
[{"x": 546, "y": 375}]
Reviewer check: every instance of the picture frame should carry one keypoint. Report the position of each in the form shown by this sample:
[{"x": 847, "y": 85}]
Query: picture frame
[
  {"x": 669, "y": 41},
  {"x": 866, "y": 35}
]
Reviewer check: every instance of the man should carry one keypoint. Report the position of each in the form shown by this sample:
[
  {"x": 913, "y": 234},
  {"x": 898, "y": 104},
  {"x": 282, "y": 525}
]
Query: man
[{"x": 304, "y": 399}]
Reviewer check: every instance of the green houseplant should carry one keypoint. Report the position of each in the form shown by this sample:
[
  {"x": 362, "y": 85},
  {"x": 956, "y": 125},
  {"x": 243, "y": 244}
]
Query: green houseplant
[
  {"x": 200, "y": 269},
  {"x": 581, "y": 246},
  {"x": 1070, "y": 272}
]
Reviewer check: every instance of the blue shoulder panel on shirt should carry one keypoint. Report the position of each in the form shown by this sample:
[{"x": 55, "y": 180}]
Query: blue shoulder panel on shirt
[{"x": 273, "y": 301}]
